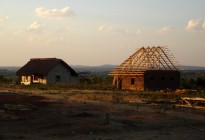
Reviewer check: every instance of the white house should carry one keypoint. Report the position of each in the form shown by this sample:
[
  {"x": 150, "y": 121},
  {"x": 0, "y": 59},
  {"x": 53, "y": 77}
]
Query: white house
[{"x": 47, "y": 71}]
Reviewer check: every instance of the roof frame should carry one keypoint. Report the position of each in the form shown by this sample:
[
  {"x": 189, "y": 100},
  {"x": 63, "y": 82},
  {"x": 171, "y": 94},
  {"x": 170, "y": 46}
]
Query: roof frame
[{"x": 150, "y": 58}]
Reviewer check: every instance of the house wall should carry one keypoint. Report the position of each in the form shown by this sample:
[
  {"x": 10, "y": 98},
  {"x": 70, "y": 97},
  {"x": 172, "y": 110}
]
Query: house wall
[
  {"x": 132, "y": 82},
  {"x": 151, "y": 80},
  {"x": 43, "y": 80},
  {"x": 161, "y": 79},
  {"x": 40, "y": 79},
  {"x": 26, "y": 80},
  {"x": 60, "y": 74}
]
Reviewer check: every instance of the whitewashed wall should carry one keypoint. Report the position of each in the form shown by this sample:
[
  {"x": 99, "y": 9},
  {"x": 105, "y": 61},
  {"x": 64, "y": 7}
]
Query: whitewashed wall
[{"x": 63, "y": 72}]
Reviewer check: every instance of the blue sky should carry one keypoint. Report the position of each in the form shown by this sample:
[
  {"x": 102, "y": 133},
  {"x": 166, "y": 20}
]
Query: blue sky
[{"x": 96, "y": 32}]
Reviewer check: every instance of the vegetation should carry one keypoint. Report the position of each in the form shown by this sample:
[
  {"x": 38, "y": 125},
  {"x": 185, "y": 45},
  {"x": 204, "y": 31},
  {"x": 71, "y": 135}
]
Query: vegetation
[
  {"x": 193, "y": 80},
  {"x": 4, "y": 80},
  {"x": 99, "y": 87}
]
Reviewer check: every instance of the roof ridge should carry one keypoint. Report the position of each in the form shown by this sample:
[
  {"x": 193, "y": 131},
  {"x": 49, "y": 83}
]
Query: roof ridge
[
  {"x": 42, "y": 66},
  {"x": 44, "y": 58}
]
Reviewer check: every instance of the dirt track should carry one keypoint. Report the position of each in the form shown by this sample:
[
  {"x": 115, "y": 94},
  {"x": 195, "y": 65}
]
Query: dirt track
[{"x": 29, "y": 116}]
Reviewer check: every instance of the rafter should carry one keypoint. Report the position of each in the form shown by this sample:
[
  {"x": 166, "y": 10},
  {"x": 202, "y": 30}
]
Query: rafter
[{"x": 150, "y": 58}]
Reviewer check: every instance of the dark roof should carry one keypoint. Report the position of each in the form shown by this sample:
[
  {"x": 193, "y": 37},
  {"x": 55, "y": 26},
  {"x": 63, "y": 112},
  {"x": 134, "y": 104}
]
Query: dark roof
[{"x": 42, "y": 66}]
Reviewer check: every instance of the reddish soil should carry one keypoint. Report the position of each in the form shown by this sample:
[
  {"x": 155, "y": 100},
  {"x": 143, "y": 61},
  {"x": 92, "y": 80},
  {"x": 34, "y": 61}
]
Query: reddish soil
[{"x": 29, "y": 116}]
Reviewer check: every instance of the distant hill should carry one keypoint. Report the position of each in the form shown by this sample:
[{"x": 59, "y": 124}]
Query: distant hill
[
  {"x": 108, "y": 67},
  {"x": 184, "y": 67},
  {"x": 105, "y": 69},
  {"x": 93, "y": 68},
  {"x": 8, "y": 70},
  {"x": 102, "y": 69}
]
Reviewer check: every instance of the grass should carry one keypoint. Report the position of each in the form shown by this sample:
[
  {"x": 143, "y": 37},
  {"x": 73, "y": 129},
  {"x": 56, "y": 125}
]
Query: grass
[
  {"x": 97, "y": 92},
  {"x": 109, "y": 120}
]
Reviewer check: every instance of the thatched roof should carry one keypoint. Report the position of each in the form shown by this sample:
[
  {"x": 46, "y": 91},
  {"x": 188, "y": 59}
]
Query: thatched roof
[
  {"x": 41, "y": 66},
  {"x": 150, "y": 58}
]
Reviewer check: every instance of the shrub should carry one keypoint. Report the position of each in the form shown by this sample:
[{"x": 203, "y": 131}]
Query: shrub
[{"x": 117, "y": 97}]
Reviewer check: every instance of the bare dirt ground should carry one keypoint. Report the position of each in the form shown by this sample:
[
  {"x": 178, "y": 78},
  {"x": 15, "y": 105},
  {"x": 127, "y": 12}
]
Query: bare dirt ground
[{"x": 53, "y": 117}]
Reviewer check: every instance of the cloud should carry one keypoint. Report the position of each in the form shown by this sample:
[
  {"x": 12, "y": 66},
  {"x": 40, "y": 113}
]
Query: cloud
[
  {"x": 54, "y": 13},
  {"x": 196, "y": 25},
  {"x": 36, "y": 27},
  {"x": 137, "y": 33},
  {"x": 18, "y": 32},
  {"x": 111, "y": 29},
  {"x": 3, "y": 18},
  {"x": 164, "y": 29},
  {"x": 105, "y": 28},
  {"x": 35, "y": 32}
]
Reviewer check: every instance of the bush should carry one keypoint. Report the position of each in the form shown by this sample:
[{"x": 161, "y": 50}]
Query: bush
[
  {"x": 5, "y": 80},
  {"x": 117, "y": 97}
]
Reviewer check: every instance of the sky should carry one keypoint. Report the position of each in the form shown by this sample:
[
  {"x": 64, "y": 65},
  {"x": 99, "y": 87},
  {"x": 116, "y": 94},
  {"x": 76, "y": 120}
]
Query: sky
[{"x": 97, "y": 32}]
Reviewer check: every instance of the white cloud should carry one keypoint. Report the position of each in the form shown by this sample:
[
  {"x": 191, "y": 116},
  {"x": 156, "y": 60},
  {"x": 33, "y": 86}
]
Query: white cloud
[
  {"x": 36, "y": 27},
  {"x": 137, "y": 33},
  {"x": 164, "y": 29},
  {"x": 54, "y": 13},
  {"x": 111, "y": 29},
  {"x": 105, "y": 28},
  {"x": 3, "y": 18},
  {"x": 18, "y": 32},
  {"x": 196, "y": 25}
]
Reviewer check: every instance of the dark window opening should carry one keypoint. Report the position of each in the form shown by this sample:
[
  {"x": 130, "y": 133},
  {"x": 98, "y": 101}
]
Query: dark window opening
[
  {"x": 172, "y": 78},
  {"x": 152, "y": 78},
  {"x": 115, "y": 81},
  {"x": 162, "y": 78},
  {"x": 132, "y": 81},
  {"x": 35, "y": 78},
  {"x": 58, "y": 78}
]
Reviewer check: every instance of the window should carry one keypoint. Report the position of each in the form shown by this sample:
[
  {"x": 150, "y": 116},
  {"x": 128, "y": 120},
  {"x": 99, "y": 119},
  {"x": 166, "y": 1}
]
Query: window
[
  {"x": 172, "y": 78},
  {"x": 58, "y": 78},
  {"x": 35, "y": 78},
  {"x": 152, "y": 78},
  {"x": 163, "y": 78},
  {"x": 25, "y": 78},
  {"x": 132, "y": 81}
]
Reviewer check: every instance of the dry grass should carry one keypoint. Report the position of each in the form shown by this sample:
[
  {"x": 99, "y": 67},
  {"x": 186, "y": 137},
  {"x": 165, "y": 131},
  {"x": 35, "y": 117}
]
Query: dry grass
[
  {"x": 98, "y": 92},
  {"x": 97, "y": 114}
]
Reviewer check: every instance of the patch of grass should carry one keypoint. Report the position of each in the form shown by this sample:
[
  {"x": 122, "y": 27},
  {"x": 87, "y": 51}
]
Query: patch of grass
[
  {"x": 99, "y": 92},
  {"x": 117, "y": 97}
]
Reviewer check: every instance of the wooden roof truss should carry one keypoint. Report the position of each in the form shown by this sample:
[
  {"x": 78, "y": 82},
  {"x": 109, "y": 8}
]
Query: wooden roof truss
[{"x": 150, "y": 58}]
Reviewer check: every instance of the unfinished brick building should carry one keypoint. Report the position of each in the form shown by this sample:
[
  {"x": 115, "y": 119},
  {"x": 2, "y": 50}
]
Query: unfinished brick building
[{"x": 151, "y": 68}]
